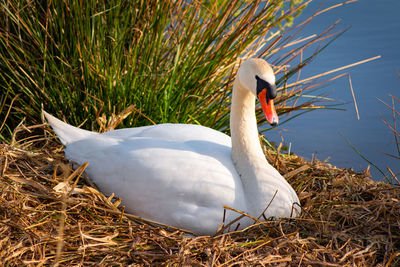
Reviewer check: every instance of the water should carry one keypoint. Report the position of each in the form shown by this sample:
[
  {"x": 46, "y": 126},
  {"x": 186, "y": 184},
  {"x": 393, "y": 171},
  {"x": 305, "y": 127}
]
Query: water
[{"x": 375, "y": 30}]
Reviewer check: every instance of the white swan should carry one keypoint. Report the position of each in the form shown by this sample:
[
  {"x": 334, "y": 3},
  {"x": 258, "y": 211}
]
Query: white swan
[{"x": 183, "y": 175}]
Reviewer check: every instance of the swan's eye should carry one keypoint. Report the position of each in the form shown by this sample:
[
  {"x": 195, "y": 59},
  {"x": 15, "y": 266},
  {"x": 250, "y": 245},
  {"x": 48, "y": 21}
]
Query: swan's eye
[{"x": 264, "y": 85}]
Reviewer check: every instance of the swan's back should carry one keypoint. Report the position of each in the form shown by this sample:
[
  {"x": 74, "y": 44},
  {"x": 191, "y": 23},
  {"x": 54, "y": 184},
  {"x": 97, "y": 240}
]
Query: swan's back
[
  {"x": 173, "y": 133},
  {"x": 168, "y": 132}
]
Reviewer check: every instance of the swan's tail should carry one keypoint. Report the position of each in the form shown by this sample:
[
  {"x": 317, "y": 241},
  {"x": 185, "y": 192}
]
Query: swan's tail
[{"x": 67, "y": 133}]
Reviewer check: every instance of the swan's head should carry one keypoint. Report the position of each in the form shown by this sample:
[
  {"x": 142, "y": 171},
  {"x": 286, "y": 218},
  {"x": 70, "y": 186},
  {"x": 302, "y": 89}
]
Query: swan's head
[{"x": 257, "y": 76}]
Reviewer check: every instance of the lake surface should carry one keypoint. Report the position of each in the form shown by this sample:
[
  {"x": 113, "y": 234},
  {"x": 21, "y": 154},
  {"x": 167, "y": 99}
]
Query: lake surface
[{"x": 375, "y": 30}]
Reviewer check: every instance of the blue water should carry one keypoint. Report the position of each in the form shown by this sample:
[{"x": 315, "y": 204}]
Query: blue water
[{"x": 375, "y": 30}]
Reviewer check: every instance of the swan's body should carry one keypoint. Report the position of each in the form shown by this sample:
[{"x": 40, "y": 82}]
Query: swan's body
[{"x": 183, "y": 175}]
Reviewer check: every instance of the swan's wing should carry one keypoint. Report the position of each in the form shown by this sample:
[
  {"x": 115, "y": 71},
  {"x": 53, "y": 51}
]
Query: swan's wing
[
  {"x": 176, "y": 174},
  {"x": 184, "y": 184}
]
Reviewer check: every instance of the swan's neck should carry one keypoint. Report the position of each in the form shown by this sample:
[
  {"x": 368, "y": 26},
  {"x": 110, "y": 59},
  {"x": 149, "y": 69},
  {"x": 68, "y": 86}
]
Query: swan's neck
[
  {"x": 243, "y": 122},
  {"x": 247, "y": 153}
]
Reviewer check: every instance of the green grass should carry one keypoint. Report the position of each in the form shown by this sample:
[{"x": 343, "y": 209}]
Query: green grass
[{"x": 169, "y": 61}]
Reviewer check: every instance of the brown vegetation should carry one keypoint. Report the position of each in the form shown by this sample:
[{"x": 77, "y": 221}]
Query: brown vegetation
[{"x": 50, "y": 215}]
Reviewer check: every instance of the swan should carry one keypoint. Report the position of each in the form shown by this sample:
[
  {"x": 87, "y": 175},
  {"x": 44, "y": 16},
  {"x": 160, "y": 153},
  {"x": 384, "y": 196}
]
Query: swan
[{"x": 183, "y": 175}]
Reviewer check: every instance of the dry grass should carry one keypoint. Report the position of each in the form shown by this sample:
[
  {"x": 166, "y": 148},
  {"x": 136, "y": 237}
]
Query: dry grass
[{"x": 50, "y": 215}]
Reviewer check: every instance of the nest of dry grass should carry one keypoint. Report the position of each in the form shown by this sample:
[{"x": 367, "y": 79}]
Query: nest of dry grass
[{"x": 50, "y": 215}]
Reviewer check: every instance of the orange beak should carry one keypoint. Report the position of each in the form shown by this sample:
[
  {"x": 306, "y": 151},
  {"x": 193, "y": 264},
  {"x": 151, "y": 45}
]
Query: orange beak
[{"x": 268, "y": 108}]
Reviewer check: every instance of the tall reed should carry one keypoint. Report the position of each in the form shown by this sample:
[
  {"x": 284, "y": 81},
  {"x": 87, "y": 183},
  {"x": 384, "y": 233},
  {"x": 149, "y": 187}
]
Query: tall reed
[{"x": 168, "y": 61}]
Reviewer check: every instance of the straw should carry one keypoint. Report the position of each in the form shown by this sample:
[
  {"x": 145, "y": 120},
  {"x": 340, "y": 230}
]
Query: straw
[{"x": 49, "y": 215}]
